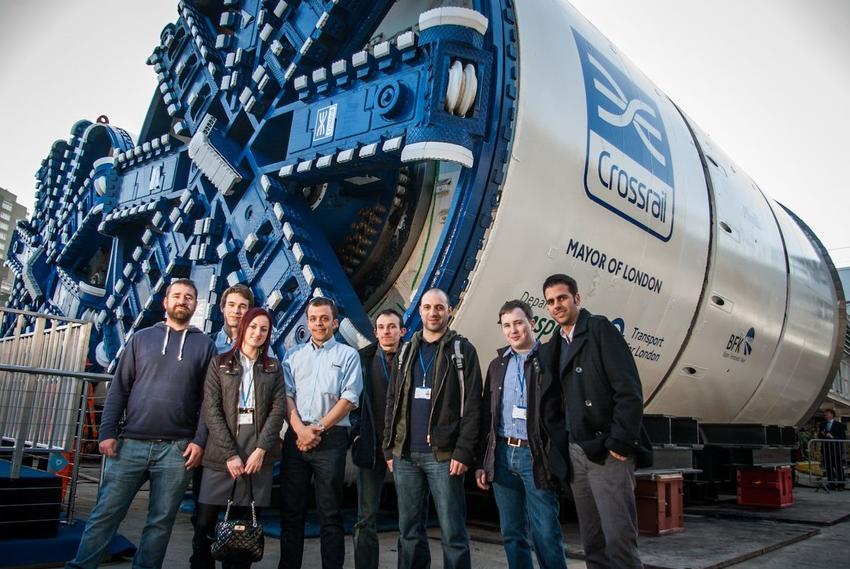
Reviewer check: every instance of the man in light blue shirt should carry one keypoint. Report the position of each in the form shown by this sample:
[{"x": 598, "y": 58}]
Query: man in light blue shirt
[
  {"x": 323, "y": 384},
  {"x": 515, "y": 393}
]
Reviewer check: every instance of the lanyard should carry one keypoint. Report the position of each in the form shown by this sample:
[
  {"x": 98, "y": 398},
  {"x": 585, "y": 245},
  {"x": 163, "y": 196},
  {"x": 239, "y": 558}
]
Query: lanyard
[
  {"x": 520, "y": 377},
  {"x": 424, "y": 367},
  {"x": 383, "y": 357},
  {"x": 245, "y": 395}
]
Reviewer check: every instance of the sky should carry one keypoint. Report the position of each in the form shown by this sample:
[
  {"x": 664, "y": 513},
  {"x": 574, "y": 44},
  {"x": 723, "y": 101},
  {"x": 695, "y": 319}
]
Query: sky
[{"x": 768, "y": 80}]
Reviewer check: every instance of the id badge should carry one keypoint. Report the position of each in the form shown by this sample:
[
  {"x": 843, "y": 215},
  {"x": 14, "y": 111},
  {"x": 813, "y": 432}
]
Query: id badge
[
  {"x": 246, "y": 418},
  {"x": 422, "y": 393},
  {"x": 519, "y": 412}
]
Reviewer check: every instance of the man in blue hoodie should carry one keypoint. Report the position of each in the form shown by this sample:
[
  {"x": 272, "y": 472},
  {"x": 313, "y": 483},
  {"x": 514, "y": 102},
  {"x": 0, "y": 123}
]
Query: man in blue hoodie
[{"x": 159, "y": 384}]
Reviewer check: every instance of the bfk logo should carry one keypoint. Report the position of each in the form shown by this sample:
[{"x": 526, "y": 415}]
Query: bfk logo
[
  {"x": 628, "y": 170},
  {"x": 738, "y": 345},
  {"x": 325, "y": 122}
]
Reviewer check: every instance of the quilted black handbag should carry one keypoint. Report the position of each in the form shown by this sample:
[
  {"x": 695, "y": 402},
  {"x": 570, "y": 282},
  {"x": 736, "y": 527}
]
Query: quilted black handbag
[{"x": 239, "y": 541}]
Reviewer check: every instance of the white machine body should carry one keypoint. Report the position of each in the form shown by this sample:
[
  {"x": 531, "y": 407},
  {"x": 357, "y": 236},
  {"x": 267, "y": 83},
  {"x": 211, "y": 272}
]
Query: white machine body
[{"x": 728, "y": 303}]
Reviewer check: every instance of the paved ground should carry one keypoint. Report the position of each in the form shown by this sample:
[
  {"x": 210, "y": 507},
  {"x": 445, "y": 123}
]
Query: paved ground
[
  {"x": 708, "y": 542},
  {"x": 488, "y": 554}
]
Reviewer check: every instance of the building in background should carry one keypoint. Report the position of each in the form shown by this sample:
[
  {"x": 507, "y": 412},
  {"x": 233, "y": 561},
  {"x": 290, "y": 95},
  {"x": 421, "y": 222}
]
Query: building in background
[
  {"x": 10, "y": 212},
  {"x": 839, "y": 394}
]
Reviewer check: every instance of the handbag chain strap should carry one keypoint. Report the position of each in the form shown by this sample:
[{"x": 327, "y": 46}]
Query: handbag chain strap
[{"x": 250, "y": 495}]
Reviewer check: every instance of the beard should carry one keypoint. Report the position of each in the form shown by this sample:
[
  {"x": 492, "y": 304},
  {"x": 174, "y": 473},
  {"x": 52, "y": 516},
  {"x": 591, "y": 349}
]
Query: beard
[
  {"x": 179, "y": 314},
  {"x": 436, "y": 326}
]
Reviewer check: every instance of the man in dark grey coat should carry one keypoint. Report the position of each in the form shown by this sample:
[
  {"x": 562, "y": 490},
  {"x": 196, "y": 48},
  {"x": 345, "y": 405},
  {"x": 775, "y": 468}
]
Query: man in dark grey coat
[{"x": 604, "y": 408}]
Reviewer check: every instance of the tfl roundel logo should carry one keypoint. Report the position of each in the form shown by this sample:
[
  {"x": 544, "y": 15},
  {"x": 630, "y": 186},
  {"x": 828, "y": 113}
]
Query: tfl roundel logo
[{"x": 619, "y": 324}]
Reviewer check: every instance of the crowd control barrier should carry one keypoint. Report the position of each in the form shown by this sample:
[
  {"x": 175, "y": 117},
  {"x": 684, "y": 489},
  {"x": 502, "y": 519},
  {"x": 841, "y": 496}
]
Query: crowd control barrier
[{"x": 49, "y": 408}]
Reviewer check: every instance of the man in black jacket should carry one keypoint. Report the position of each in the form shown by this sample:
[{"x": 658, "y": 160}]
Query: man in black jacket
[
  {"x": 513, "y": 443},
  {"x": 377, "y": 362},
  {"x": 604, "y": 408},
  {"x": 431, "y": 432}
]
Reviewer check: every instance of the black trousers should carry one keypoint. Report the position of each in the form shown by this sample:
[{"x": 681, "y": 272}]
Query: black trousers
[
  {"x": 325, "y": 464},
  {"x": 207, "y": 517}
]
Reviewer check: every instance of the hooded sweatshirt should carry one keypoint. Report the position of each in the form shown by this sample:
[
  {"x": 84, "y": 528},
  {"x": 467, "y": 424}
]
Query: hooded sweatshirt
[{"x": 159, "y": 382}]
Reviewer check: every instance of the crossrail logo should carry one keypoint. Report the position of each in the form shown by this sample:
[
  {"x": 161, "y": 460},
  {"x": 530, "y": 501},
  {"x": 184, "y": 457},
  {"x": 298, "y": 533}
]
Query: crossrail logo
[
  {"x": 628, "y": 170},
  {"x": 325, "y": 123}
]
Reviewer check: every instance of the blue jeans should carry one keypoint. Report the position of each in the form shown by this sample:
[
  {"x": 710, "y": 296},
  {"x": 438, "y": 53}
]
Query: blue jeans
[
  {"x": 370, "y": 482},
  {"x": 415, "y": 475},
  {"x": 521, "y": 502},
  {"x": 138, "y": 461}
]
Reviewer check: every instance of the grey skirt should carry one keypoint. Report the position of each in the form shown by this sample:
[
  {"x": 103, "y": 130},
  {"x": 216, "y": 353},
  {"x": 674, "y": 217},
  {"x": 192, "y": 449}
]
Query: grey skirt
[{"x": 216, "y": 485}]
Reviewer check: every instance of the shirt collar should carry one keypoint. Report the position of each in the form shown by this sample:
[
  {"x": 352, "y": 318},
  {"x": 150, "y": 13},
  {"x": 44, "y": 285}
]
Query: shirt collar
[
  {"x": 510, "y": 351},
  {"x": 331, "y": 341},
  {"x": 567, "y": 337},
  {"x": 246, "y": 361}
]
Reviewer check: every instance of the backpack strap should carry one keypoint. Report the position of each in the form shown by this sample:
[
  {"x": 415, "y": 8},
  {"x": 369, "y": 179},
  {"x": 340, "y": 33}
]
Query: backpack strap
[
  {"x": 402, "y": 354},
  {"x": 457, "y": 358}
]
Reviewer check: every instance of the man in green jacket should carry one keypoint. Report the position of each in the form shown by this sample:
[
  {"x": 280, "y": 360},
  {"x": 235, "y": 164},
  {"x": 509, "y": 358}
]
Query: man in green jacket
[{"x": 431, "y": 431}]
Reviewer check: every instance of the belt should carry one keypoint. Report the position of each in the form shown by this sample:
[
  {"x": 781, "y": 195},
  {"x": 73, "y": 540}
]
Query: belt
[
  {"x": 515, "y": 442},
  {"x": 246, "y": 410}
]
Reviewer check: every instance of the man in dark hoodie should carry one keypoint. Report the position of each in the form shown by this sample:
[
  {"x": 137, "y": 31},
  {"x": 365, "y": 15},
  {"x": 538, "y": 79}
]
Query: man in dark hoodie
[
  {"x": 431, "y": 433},
  {"x": 159, "y": 384}
]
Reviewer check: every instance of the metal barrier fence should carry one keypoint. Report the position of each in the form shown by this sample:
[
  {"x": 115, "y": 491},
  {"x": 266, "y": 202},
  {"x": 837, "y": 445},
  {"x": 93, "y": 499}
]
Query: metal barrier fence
[
  {"x": 828, "y": 462},
  {"x": 48, "y": 403}
]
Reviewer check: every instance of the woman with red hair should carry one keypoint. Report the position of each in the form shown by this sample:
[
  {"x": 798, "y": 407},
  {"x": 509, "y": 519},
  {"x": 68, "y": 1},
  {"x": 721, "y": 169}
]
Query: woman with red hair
[{"x": 244, "y": 407}]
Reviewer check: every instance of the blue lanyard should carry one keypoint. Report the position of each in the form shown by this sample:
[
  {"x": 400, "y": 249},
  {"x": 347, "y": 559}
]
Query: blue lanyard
[
  {"x": 383, "y": 357},
  {"x": 520, "y": 377},
  {"x": 424, "y": 367},
  {"x": 244, "y": 396}
]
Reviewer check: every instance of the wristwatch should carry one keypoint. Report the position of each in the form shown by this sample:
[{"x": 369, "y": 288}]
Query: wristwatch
[{"x": 321, "y": 426}]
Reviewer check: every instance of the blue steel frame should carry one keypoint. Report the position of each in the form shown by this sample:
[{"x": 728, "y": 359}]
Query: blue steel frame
[{"x": 271, "y": 156}]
